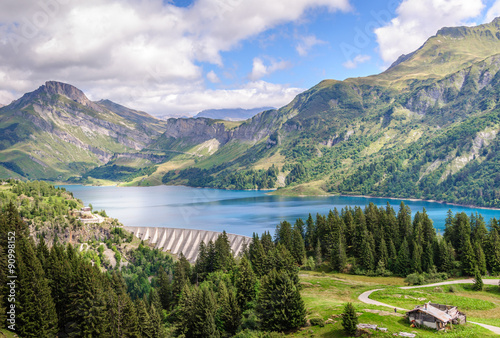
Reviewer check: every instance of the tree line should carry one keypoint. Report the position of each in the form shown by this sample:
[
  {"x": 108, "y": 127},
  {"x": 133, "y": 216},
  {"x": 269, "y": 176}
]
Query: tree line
[{"x": 379, "y": 241}]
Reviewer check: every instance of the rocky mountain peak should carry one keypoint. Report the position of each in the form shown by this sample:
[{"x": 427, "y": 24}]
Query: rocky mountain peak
[{"x": 69, "y": 91}]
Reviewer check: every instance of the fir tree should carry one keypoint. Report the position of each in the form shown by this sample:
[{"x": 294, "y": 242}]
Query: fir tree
[
  {"x": 35, "y": 309},
  {"x": 416, "y": 258},
  {"x": 403, "y": 261},
  {"x": 245, "y": 284},
  {"x": 309, "y": 239},
  {"x": 317, "y": 253},
  {"x": 280, "y": 307},
  {"x": 230, "y": 312},
  {"x": 349, "y": 320},
  {"x": 480, "y": 258},
  {"x": 223, "y": 259},
  {"x": 145, "y": 325},
  {"x": 165, "y": 290},
  {"x": 298, "y": 250},
  {"x": 469, "y": 264},
  {"x": 478, "y": 281}
]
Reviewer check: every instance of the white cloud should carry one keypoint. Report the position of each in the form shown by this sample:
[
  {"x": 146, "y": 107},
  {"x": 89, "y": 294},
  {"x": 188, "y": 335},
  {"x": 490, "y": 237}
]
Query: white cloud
[
  {"x": 259, "y": 69},
  {"x": 212, "y": 77},
  {"x": 493, "y": 11},
  {"x": 417, "y": 20},
  {"x": 306, "y": 43},
  {"x": 111, "y": 47},
  {"x": 251, "y": 95},
  {"x": 353, "y": 63}
]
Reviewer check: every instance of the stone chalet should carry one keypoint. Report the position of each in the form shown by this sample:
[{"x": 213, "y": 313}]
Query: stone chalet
[{"x": 436, "y": 316}]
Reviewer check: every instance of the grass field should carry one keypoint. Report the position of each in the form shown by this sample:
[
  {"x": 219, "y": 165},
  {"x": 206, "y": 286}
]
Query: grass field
[{"x": 325, "y": 296}]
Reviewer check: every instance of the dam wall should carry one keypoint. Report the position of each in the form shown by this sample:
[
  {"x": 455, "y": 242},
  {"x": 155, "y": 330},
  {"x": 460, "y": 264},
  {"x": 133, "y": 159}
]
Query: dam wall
[{"x": 186, "y": 241}]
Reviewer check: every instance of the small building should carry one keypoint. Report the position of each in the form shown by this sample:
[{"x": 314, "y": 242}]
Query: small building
[
  {"x": 86, "y": 209},
  {"x": 436, "y": 316}
]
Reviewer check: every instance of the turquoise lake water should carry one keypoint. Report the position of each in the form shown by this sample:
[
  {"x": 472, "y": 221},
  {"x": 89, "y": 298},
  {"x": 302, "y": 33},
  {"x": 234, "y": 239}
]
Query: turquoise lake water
[{"x": 237, "y": 212}]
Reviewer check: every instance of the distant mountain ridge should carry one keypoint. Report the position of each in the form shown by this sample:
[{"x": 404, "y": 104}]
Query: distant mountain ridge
[{"x": 236, "y": 114}]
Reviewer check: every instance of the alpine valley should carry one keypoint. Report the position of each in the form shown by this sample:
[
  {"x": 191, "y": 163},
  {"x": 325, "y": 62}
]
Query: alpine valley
[{"x": 427, "y": 127}]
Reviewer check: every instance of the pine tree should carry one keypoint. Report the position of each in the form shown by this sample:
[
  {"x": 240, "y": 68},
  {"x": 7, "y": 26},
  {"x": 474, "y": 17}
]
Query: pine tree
[
  {"x": 155, "y": 318},
  {"x": 257, "y": 256},
  {"x": 224, "y": 259},
  {"x": 338, "y": 256},
  {"x": 182, "y": 273},
  {"x": 88, "y": 313},
  {"x": 478, "y": 281},
  {"x": 383, "y": 256},
  {"x": 299, "y": 224},
  {"x": 480, "y": 258},
  {"x": 204, "y": 315},
  {"x": 35, "y": 310},
  {"x": 404, "y": 223},
  {"x": 245, "y": 284},
  {"x": 317, "y": 253},
  {"x": 280, "y": 307},
  {"x": 298, "y": 250},
  {"x": 165, "y": 290},
  {"x": 349, "y": 320},
  {"x": 493, "y": 251},
  {"x": 416, "y": 258},
  {"x": 309, "y": 239},
  {"x": 367, "y": 259},
  {"x": 145, "y": 325},
  {"x": 230, "y": 312},
  {"x": 186, "y": 310},
  {"x": 403, "y": 261},
  {"x": 469, "y": 264}
]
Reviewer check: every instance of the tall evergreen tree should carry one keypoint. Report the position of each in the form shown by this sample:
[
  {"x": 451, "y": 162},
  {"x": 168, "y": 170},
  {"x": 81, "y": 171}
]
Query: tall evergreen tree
[
  {"x": 298, "y": 249},
  {"x": 230, "y": 312},
  {"x": 145, "y": 325},
  {"x": 309, "y": 239},
  {"x": 280, "y": 307},
  {"x": 349, "y": 319},
  {"x": 245, "y": 284},
  {"x": 35, "y": 310},
  {"x": 403, "y": 261}
]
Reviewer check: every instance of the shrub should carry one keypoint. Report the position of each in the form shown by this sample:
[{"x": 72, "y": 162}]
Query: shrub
[{"x": 317, "y": 321}]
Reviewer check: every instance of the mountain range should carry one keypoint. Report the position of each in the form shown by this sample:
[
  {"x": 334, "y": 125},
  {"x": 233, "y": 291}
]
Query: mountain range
[{"x": 427, "y": 127}]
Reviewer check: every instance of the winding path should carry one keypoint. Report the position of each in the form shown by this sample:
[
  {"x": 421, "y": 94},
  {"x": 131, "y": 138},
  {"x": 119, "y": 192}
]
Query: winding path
[{"x": 365, "y": 297}]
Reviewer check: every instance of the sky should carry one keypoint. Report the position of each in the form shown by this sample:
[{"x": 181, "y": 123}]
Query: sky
[{"x": 178, "y": 57}]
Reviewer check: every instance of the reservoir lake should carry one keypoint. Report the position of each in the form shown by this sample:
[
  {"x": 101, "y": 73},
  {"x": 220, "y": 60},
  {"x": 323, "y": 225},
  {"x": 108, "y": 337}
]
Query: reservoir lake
[{"x": 237, "y": 212}]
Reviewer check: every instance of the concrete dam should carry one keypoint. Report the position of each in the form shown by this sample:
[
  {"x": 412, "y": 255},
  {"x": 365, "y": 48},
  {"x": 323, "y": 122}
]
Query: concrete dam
[{"x": 186, "y": 241}]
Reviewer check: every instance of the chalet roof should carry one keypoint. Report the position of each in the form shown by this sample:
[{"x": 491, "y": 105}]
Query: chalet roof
[{"x": 434, "y": 312}]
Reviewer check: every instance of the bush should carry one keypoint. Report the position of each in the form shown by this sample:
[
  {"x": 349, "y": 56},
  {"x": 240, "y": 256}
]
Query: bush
[
  {"x": 316, "y": 321},
  {"x": 310, "y": 264},
  {"x": 414, "y": 279}
]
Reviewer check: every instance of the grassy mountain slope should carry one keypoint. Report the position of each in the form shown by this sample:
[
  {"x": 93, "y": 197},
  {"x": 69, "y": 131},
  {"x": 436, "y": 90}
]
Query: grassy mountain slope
[
  {"x": 425, "y": 128},
  {"x": 56, "y": 132}
]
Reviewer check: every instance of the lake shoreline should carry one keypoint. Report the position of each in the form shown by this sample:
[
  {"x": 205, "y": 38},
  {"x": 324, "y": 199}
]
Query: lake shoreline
[{"x": 420, "y": 200}]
